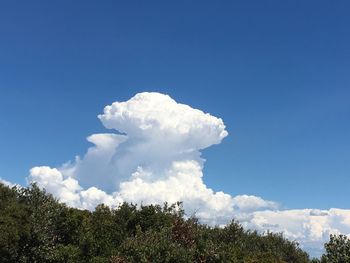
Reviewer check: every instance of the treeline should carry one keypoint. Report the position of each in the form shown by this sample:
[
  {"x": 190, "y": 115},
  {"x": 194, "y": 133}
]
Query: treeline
[{"x": 35, "y": 227}]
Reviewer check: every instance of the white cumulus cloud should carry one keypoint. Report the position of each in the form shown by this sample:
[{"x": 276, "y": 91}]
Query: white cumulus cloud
[
  {"x": 310, "y": 227},
  {"x": 152, "y": 155},
  {"x": 249, "y": 203}
]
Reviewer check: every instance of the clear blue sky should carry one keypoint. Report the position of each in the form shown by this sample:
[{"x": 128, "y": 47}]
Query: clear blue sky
[{"x": 277, "y": 73}]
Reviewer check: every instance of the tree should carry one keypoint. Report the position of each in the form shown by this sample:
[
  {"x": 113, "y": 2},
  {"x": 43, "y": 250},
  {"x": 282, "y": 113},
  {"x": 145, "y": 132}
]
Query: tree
[
  {"x": 337, "y": 250},
  {"x": 43, "y": 211},
  {"x": 35, "y": 227},
  {"x": 14, "y": 225}
]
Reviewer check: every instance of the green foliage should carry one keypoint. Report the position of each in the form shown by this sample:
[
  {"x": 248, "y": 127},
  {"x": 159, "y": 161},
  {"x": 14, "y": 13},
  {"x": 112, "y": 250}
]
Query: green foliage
[
  {"x": 35, "y": 227},
  {"x": 337, "y": 250},
  {"x": 66, "y": 253},
  {"x": 42, "y": 210},
  {"x": 13, "y": 224},
  {"x": 153, "y": 246}
]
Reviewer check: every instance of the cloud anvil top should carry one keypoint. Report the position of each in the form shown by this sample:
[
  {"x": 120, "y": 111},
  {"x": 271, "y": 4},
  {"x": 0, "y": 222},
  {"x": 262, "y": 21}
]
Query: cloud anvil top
[{"x": 154, "y": 156}]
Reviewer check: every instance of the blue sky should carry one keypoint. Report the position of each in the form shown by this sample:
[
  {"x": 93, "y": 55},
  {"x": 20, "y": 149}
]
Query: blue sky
[{"x": 276, "y": 72}]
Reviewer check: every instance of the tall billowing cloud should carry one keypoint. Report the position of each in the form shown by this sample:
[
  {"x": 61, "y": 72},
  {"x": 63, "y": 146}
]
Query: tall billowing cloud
[
  {"x": 152, "y": 155},
  {"x": 154, "y": 131}
]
